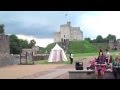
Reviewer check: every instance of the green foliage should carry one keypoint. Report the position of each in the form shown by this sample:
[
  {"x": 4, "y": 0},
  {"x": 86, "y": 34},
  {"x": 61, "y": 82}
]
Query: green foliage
[
  {"x": 81, "y": 47},
  {"x": 111, "y": 37},
  {"x": 16, "y": 45},
  {"x": 42, "y": 50},
  {"x": 2, "y": 29},
  {"x": 99, "y": 39},
  {"x": 102, "y": 46},
  {"x": 50, "y": 46},
  {"x": 88, "y": 39},
  {"x": 102, "y": 43},
  {"x": 76, "y": 47}
]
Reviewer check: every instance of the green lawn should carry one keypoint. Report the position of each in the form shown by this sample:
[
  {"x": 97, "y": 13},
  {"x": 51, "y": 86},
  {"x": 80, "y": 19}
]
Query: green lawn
[
  {"x": 85, "y": 55},
  {"x": 113, "y": 53},
  {"x": 78, "y": 56},
  {"x": 45, "y": 62}
]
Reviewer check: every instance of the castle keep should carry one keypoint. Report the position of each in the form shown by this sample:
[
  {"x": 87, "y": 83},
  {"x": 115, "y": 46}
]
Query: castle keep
[{"x": 67, "y": 32}]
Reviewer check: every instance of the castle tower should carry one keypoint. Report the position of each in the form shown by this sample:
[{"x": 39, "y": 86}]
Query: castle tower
[{"x": 67, "y": 32}]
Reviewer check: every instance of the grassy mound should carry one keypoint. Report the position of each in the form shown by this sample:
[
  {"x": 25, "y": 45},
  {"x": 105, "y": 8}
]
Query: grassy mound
[{"x": 76, "y": 47}]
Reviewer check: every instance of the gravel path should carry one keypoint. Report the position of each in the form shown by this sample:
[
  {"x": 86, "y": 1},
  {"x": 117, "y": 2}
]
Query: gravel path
[
  {"x": 66, "y": 75},
  {"x": 22, "y": 71},
  {"x": 46, "y": 71}
]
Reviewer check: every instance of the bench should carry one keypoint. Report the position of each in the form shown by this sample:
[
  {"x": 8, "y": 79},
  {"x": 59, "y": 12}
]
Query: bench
[{"x": 88, "y": 74}]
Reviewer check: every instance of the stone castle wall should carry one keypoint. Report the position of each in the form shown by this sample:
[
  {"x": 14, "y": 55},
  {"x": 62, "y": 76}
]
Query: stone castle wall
[
  {"x": 5, "y": 57},
  {"x": 4, "y": 44},
  {"x": 68, "y": 32},
  {"x": 56, "y": 37}
]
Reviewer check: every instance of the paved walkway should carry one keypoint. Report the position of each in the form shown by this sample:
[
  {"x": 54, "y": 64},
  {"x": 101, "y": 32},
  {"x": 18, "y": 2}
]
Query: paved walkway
[
  {"x": 54, "y": 74},
  {"x": 64, "y": 70},
  {"x": 50, "y": 71},
  {"x": 18, "y": 71}
]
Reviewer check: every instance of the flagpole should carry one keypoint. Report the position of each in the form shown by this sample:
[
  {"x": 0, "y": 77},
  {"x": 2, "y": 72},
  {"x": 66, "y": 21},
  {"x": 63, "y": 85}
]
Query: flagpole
[{"x": 67, "y": 17}]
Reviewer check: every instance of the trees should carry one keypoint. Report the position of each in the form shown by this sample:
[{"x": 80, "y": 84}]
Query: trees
[
  {"x": 16, "y": 45},
  {"x": 2, "y": 29},
  {"x": 88, "y": 39},
  {"x": 99, "y": 39},
  {"x": 111, "y": 37},
  {"x": 32, "y": 43}
]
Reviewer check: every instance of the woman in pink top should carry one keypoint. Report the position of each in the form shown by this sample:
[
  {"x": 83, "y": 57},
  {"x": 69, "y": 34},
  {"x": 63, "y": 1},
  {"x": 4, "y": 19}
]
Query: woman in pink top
[{"x": 100, "y": 64}]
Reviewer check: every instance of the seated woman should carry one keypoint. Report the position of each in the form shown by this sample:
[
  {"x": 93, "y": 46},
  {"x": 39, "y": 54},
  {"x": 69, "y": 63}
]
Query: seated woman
[
  {"x": 116, "y": 66},
  {"x": 100, "y": 64},
  {"x": 107, "y": 56}
]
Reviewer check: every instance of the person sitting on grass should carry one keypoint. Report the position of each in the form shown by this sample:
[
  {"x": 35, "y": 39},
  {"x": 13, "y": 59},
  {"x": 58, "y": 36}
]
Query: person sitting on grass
[
  {"x": 116, "y": 66},
  {"x": 100, "y": 64}
]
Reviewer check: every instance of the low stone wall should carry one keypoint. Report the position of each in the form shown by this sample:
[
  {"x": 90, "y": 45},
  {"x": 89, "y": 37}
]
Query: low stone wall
[
  {"x": 40, "y": 57},
  {"x": 88, "y": 74},
  {"x": 16, "y": 58},
  {"x": 6, "y": 60}
]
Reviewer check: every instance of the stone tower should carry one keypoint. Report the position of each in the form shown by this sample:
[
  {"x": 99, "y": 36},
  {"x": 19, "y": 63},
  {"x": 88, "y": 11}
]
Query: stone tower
[{"x": 67, "y": 32}]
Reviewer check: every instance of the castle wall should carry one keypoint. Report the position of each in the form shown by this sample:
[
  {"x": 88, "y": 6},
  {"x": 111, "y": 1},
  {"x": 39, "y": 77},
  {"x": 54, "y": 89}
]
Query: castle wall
[
  {"x": 65, "y": 32},
  {"x": 4, "y": 44},
  {"x": 76, "y": 33},
  {"x": 56, "y": 37},
  {"x": 68, "y": 32},
  {"x": 81, "y": 35},
  {"x": 35, "y": 49},
  {"x": 5, "y": 57}
]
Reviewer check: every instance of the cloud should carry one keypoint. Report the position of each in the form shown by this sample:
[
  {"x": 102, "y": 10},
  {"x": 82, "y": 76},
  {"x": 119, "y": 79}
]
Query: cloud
[
  {"x": 101, "y": 23},
  {"x": 39, "y": 42},
  {"x": 42, "y": 24},
  {"x": 37, "y": 23}
]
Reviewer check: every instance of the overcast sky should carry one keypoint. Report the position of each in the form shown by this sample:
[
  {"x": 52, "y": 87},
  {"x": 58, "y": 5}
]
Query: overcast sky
[{"x": 40, "y": 25}]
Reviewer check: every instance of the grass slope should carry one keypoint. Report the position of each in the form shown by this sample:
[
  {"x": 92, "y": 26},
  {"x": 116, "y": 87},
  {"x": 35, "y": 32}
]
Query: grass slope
[
  {"x": 81, "y": 47},
  {"x": 76, "y": 47}
]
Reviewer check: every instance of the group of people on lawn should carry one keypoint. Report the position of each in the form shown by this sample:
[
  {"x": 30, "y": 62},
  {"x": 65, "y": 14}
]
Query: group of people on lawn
[{"x": 103, "y": 61}]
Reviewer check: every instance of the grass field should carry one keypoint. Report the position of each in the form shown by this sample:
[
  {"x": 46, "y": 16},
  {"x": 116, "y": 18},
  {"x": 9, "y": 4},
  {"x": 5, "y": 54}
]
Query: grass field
[
  {"x": 76, "y": 47},
  {"x": 45, "y": 62},
  {"x": 78, "y": 56}
]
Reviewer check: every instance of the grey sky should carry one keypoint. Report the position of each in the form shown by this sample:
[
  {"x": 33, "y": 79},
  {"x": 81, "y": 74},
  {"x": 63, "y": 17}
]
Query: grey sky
[{"x": 42, "y": 24}]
